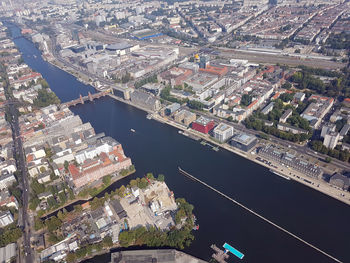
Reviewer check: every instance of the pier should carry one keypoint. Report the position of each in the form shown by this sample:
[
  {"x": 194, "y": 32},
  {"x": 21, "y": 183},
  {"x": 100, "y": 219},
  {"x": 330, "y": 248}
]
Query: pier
[
  {"x": 258, "y": 215},
  {"x": 219, "y": 255},
  {"x": 82, "y": 100}
]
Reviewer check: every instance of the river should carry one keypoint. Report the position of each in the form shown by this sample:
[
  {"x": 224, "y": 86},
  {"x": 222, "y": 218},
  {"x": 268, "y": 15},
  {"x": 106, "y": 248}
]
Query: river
[{"x": 158, "y": 148}]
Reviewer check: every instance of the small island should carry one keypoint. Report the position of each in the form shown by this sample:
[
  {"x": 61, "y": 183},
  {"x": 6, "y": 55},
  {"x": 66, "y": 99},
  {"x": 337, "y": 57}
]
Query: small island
[{"x": 142, "y": 213}]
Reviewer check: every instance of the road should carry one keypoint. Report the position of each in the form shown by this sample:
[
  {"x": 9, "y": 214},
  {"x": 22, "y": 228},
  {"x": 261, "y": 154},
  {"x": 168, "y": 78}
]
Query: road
[{"x": 21, "y": 166}]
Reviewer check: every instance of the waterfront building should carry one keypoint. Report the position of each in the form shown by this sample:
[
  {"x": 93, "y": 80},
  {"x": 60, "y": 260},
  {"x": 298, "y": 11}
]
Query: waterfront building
[
  {"x": 340, "y": 181},
  {"x": 331, "y": 140},
  {"x": 185, "y": 116},
  {"x": 156, "y": 255},
  {"x": 244, "y": 142},
  {"x": 203, "y": 124},
  {"x": 6, "y": 218},
  {"x": 153, "y": 88},
  {"x": 172, "y": 108},
  {"x": 223, "y": 132},
  {"x": 286, "y": 115},
  {"x": 145, "y": 100},
  {"x": 290, "y": 160}
]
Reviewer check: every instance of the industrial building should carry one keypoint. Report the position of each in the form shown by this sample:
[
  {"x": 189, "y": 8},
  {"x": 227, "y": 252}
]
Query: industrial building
[
  {"x": 244, "y": 142},
  {"x": 203, "y": 124},
  {"x": 185, "y": 116},
  {"x": 223, "y": 132},
  {"x": 172, "y": 108},
  {"x": 145, "y": 100},
  {"x": 290, "y": 160},
  {"x": 146, "y": 34}
]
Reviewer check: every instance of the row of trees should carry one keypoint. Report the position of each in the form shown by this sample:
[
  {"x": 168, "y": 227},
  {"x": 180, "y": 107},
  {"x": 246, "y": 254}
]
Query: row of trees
[
  {"x": 150, "y": 79},
  {"x": 336, "y": 153},
  {"x": 45, "y": 98},
  {"x": 258, "y": 125}
]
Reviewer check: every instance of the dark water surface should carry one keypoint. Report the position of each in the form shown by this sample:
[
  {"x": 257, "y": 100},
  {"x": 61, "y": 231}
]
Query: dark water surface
[{"x": 158, "y": 148}]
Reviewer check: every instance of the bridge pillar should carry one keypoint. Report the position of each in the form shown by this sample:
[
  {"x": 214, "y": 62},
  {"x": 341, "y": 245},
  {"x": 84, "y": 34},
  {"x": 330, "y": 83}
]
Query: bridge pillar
[
  {"x": 81, "y": 99},
  {"x": 90, "y": 96}
]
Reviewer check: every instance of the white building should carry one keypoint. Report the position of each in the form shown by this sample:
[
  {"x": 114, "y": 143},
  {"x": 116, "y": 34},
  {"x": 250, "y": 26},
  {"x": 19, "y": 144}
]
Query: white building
[
  {"x": 223, "y": 132},
  {"x": 6, "y": 180},
  {"x": 331, "y": 139},
  {"x": 6, "y": 218}
]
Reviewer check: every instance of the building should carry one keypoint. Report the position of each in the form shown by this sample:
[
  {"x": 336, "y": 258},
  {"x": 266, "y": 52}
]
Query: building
[
  {"x": 244, "y": 142},
  {"x": 327, "y": 129},
  {"x": 203, "y": 124},
  {"x": 317, "y": 109},
  {"x": 331, "y": 140},
  {"x": 289, "y": 128},
  {"x": 340, "y": 181},
  {"x": 153, "y": 88},
  {"x": 290, "y": 160},
  {"x": 6, "y": 218},
  {"x": 172, "y": 108},
  {"x": 6, "y": 180},
  {"x": 286, "y": 115},
  {"x": 299, "y": 96},
  {"x": 268, "y": 108},
  {"x": 156, "y": 255},
  {"x": 204, "y": 61},
  {"x": 146, "y": 34},
  {"x": 185, "y": 116},
  {"x": 8, "y": 253},
  {"x": 223, "y": 132},
  {"x": 145, "y": 100}
]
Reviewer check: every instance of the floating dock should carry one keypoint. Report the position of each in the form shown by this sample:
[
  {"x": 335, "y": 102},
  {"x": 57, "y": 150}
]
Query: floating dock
[
  {"x": 258, "y": 215},
  {"x": 233, "y": 251},
  {"x": 219, "y": 255}
]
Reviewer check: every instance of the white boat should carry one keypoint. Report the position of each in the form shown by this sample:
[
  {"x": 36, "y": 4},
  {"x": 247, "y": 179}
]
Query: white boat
[
  {"x": 132, "y": 130},
  {"x": 281, "y": 175}
]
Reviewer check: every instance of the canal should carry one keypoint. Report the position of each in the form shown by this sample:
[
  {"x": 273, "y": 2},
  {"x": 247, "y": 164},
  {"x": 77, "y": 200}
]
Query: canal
[{"x": 158, "y": 148}]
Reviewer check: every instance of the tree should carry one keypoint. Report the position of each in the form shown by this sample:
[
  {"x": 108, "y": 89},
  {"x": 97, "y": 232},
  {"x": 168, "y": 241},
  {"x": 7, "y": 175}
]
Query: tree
[
  {"x": 107, "y": 241},
  {"x": 71, "y": 257},
  {"x": 66, "y": 164},
  {"x": 53, "y": 223},
  {"x": 161, "y": 177},
  {"x": 196, "y": 105},
  {"x": 246, "y": 100},
  {"x": 328, "y": 159}
]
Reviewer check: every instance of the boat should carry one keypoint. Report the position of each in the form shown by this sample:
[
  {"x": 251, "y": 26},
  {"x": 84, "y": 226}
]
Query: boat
[
  {"x": 229, "y": 248},
  {"x": 196, "y": 227},
  {"x": 281, "y": 175},
  {"x": 132, "y": 130},
  {"x": 149, "y": 116}
]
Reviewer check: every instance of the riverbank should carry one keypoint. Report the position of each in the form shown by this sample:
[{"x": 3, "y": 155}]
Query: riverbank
[
  {"x": 318, "y": 185},
  {"x": 315, "y": 184},
  {"x": 89, "y": 197}
]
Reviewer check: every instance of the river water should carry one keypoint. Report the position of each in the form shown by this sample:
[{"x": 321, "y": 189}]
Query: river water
[{"x": 158, "y": 148}]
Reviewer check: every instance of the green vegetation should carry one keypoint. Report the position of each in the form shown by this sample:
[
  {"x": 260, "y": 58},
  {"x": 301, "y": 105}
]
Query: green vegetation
[
  {"x": 127, "y": 171},
  {"x": 338, "y": 86},
  {"x": 257, "y": 122},
  {"x": 339, "y": 41},
  {"x": 9, "y": 234},
  {"x": 336, "y": 153},
  {"x": 153, "y": 237},
  {"x": 46, "y": 98},
  {"x": 246, "y": 100},
  {"x": 165, "y": 95},
  {"x": 151, "y": 79},
  {"x": 196, "y": 105}
]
